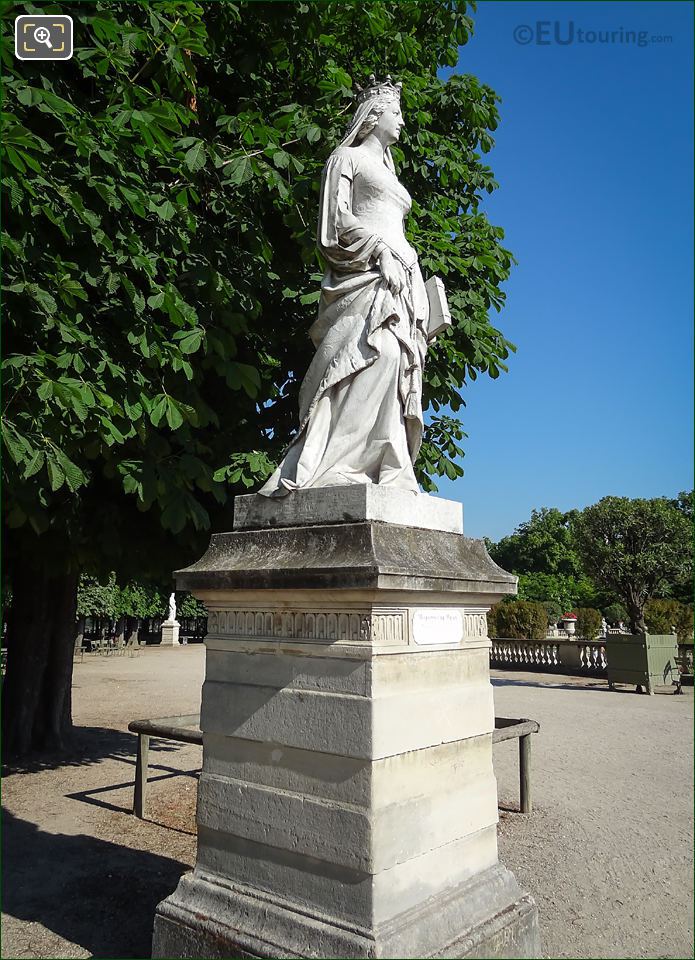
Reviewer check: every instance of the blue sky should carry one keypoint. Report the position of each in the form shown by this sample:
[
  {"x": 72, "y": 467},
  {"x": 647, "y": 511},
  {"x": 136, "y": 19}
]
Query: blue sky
[{"x": 594, "y": 158}]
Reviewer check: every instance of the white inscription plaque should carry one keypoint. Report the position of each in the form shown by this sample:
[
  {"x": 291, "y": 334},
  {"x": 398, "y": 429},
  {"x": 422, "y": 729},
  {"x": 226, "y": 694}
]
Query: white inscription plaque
[{"x": 433, "y": 625}]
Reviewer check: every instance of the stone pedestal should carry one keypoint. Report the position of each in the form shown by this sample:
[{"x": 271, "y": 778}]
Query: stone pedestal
[
  {"x": 170, "y": 633},
  {"x": 347, "y": 805}
]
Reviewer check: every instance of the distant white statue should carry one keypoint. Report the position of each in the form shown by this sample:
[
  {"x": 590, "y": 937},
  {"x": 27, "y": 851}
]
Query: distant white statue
[
  {"x": 360, "y": 418},
  {"x": 170, "y": 627},
  {"x": 604, "y": 627}
]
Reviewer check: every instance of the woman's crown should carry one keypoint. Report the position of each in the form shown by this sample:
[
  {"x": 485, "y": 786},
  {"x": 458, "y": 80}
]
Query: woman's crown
[{"x": 386, "y": 90}]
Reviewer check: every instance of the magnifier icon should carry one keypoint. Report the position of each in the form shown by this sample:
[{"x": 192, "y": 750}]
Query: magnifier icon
[{"x": 43, "y": 35}]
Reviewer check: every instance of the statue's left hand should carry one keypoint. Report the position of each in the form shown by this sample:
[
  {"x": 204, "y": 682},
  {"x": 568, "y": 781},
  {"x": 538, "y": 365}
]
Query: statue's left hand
[{"x": 391, "y": 272}]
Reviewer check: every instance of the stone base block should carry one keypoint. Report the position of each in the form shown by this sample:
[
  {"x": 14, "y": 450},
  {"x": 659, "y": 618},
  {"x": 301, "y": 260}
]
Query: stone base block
[
  {"x": 356, "y": 502},
  {"x": 347, "y": 805},
  {"x": 170, "y": 633},
  {"x": 485, "y": 917}
]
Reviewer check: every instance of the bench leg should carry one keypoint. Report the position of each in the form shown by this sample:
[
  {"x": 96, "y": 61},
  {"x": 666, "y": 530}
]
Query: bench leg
[
  {"x": 141, "y": 763},
  {"x": 525, "y": 773}
]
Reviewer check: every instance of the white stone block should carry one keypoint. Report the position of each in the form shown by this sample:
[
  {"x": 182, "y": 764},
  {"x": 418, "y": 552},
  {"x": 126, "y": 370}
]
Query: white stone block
[
  {"x": 416, "y": 881},
  {"x": 170, "y": 633},
  {"x": 299, "y": 671},
  {"x": 318, "y": 505},
  {"x": 359, "y": 782},
  {"x": 365, "y": 839},
  {"x": 331, "y": 776},
  {"x": 347, "y": 724},
  {"x": 345, "y": 894}
]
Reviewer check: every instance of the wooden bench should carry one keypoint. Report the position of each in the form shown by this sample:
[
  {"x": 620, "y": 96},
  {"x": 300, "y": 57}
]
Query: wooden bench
[{"x": 186, "y": 729}]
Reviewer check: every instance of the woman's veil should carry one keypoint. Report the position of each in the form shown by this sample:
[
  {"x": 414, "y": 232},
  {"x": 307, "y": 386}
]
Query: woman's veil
[{"x": 361, "y": 114}]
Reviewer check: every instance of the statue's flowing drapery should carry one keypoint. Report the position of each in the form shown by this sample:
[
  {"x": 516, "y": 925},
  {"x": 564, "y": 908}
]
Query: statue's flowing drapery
[{"x": 361, "y": 400}]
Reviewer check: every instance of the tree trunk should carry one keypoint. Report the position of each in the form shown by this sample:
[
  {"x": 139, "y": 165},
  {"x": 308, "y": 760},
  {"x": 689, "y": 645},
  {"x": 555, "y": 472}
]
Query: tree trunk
[
  {"x": 132, "y": 626},
  {"x": 37, "y": 692},
  {"x": 79, "y": 634},
  {"x": 635, "y": 611}
]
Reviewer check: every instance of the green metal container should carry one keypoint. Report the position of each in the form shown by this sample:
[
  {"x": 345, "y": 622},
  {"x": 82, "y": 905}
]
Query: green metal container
[{"x": 645, "y": 660}]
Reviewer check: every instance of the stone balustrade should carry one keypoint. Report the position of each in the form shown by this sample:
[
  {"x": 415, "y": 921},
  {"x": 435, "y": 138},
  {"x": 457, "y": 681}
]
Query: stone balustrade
[
  {"x": 584, "y": 657},
  {"x": 561, "y": 656}
]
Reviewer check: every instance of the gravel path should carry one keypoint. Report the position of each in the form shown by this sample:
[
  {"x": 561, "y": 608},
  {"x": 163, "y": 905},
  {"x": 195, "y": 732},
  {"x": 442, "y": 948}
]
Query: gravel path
[{"x": 607, "y": 851}]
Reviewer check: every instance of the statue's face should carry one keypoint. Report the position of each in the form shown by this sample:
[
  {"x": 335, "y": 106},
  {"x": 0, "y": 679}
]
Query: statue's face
[{"x": 391, "y": 121}]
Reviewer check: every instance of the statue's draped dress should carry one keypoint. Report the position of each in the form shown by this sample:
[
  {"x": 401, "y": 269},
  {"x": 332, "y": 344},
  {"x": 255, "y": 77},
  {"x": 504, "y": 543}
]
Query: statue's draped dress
[{"x": 361, "y": 400}]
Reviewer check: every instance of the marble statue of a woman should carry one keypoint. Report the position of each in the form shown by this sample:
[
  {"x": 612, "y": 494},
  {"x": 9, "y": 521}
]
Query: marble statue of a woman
[{"x": 361, "y": 400}]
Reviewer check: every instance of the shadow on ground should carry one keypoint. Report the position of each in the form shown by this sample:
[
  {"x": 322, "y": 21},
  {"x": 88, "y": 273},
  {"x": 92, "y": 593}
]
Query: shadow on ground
[
  {"x": 97, "y": 894},
  {"x": 596, "y": 686},
  {"x": 88, "y": 745},
  {"x": 600, "y": 686},
  {"x": 95, "y": 796}
]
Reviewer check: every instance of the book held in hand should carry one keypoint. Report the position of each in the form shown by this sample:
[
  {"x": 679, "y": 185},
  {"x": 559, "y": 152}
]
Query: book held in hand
[{"x": 440, "y": 318}]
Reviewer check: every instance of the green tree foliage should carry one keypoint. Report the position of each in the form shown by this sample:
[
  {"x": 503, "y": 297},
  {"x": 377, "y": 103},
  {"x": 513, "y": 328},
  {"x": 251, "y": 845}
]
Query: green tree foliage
[
  {"x": 108, "y": 598},
  {"x": 553, "y": 610},
  {"x": 492, "y": 621},
  {"x": 682, "y": 589},
  {"x": 588, "y": 625},
  {"x": 685, "y": 502},
  {"x": 140, "y": 600},
  {"x": 637, "y": 548},
  {"x": 663, "y": 616},
  {"x": 105, "y": 597},
  {"x": 543, "y": 554},
  {"x": 188, "y": 606},
  {"x": 160, "y": 272},
  {"x": 520, "y": 620},
  {"x": 544, "y": 545},
  {"x": 557, "y": 588},
  {"x": 95, "y": 599},
  {"x": 684, "y": 623}
]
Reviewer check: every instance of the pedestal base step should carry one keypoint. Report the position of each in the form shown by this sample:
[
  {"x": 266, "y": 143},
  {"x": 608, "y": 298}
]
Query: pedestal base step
[{"x": 207, "y": 916}]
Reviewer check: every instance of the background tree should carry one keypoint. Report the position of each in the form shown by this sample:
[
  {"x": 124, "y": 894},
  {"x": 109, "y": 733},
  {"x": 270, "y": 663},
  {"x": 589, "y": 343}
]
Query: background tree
[
  {"x": 682, "y": 589},
  {"x": 558, "y": 589},
  {"x": 615, "y": 613},
  {"x": 553, "y": 610},
  {"x": 189, "y": 606},
  {"x": 159, "y": 202},
  {"x": 492, "y": 621},
  {"x": 141, "y": 601},
  {"x": 588, "y": 625},
  {"x": 106, "y": 598},
  {"x": 543, "y": 554},
  {"x": 636, "y": 547},
  {"x": 544, "y": 544},
  {"x": 95, "y": 598},
  {"x": 667, "y": 616}
]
